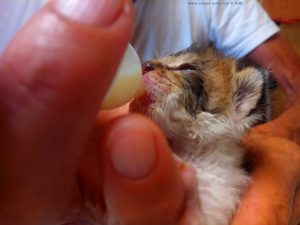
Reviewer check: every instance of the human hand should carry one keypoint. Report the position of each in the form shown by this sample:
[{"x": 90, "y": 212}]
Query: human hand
[
  {"x": 56, "y": 164},
  {"x": 273, "y": 196}
]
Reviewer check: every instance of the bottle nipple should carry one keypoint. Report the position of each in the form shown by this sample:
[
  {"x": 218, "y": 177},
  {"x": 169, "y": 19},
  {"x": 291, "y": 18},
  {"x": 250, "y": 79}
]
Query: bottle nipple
[{"x": 128, "y": 82}]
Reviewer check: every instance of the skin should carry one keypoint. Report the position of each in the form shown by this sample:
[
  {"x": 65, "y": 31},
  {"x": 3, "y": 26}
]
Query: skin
[
  {"x": 58, "y": 164},
  {"x": 55, "y": 162},
  {"x": 275, "y": 147}
]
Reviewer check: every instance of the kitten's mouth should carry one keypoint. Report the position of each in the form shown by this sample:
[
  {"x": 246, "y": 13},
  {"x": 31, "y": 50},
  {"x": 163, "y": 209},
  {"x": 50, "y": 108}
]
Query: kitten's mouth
[
  {"x": 155, "y": 87},
  {"x": 141, "y": 104},
  {"x": 144, "y": 100},
  {"x": 147, "y": 80}
]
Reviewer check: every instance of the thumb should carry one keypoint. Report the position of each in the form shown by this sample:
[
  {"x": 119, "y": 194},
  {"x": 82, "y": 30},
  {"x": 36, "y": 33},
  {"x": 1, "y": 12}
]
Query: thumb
[
  {"x": 53, "y": 76},
  {"x": 142, "y": 184}
]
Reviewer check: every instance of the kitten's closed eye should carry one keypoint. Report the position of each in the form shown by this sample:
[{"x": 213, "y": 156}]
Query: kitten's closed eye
[
  {"x": 186, "y": 66},
  {"x": 152, "y": 65}
]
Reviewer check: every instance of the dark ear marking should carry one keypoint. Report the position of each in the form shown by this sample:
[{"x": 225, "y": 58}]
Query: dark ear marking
[
  {"x": 263, "y": 107},
  {"x": 272, "y": 82},
  {"x": 197, "y": 97},
  {"x": 195, "y": 82}
]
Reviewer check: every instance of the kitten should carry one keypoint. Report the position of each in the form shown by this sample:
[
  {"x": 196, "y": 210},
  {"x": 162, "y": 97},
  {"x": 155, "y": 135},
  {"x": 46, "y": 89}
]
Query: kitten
[{"x": 205, "y": 102}]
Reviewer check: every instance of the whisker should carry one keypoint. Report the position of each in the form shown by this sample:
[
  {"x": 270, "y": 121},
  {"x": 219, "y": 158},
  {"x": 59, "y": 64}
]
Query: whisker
[{"x": 156, "y": 54}]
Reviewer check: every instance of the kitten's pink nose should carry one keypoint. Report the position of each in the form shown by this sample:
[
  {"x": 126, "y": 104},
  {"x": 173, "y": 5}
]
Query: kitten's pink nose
[{"x": 147, "y": 67}]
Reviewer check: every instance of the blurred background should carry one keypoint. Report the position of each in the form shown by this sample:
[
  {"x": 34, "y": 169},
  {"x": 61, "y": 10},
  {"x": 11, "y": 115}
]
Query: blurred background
[{"x": 287, "y": 14}]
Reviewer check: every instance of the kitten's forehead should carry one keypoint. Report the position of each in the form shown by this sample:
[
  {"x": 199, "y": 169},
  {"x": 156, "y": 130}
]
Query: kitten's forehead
[{"x": 179, "y": 59}]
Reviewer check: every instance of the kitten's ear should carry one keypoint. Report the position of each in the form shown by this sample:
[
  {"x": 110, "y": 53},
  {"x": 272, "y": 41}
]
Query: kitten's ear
[{"x": 249, "y": 97}]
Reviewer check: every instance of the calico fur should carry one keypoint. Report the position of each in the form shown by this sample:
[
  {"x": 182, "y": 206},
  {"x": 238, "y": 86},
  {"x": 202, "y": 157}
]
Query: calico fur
[{"x": 205, "y": 102}]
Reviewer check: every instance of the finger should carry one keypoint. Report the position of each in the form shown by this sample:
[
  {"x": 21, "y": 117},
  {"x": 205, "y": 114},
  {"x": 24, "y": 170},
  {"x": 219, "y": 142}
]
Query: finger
[
  {"x": 142, "y": 184},
  {"x": 295, "y": 218},
  {"x": 274, "y": 181},
  {"x": 258, "y": 207},
  {"x": 53, "y": 76},
  {"x": 289, "y": 123},
  {"x": 191, "y": 215},
  {"x": 284, "y": 127},
  {"x": 104, "y": 116}
]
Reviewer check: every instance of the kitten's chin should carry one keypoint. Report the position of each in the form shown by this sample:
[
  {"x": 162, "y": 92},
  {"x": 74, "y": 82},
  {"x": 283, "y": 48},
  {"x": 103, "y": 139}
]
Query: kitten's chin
[{"x": 141, "y": 104}]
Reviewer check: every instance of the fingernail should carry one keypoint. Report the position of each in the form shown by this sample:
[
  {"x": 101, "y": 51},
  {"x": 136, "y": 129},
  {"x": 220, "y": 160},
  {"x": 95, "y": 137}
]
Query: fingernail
[
  {"x": 91, "y": 12},
  {"x": 133, "y": 152}
]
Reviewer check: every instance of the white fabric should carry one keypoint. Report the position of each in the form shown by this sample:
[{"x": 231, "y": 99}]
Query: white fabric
[
  {"x": 166, "y": 26},
  {"x": 234, "y": 26}
]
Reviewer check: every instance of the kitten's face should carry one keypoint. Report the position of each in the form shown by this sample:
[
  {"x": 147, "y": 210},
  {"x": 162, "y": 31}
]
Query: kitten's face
[{"x": 200, "y": 91}]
